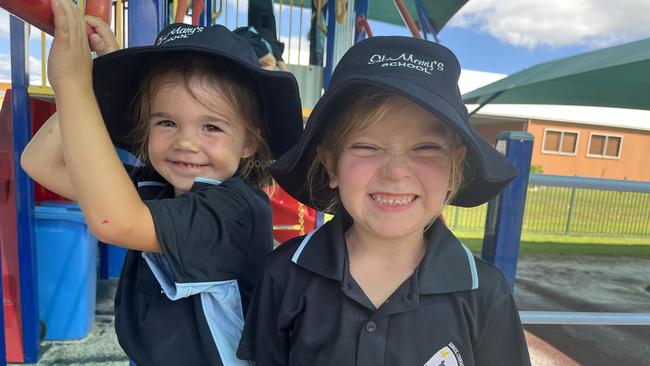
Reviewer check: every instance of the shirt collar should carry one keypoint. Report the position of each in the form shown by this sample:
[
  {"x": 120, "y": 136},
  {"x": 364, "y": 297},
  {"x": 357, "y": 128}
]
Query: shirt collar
[
  {"x": 323, "y": 250},
  {"x": 153, "y": 186},
  {"x": 447, "y": 266}
]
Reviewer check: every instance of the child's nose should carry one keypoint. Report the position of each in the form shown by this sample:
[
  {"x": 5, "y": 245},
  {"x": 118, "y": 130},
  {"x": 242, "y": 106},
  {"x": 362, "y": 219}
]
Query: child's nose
[
  {"x": 186, "y": 140},
  {"x": 396, "y": 167}
]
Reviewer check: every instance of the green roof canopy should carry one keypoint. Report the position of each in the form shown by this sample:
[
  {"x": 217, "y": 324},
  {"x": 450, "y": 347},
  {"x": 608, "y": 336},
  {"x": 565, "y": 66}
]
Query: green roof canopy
[
  {"x": 439, "y": 11},
  {"x": 617, "y": 76}
]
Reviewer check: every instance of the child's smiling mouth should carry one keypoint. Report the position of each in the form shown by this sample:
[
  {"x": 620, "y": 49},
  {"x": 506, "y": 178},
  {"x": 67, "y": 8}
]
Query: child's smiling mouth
[
  {"x": 393, "y": 200},
  {"x": 186, "y": 165}
]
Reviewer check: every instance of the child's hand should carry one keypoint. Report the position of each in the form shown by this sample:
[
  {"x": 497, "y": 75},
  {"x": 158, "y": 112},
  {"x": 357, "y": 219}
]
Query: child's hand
[
  {"x": 268, "y": 61},
  {"x": 69, "y": 62},
  {"x": 102, "y": 40}
]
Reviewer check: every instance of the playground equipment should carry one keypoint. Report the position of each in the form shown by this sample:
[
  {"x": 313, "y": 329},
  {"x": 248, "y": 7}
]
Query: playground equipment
[
  {"x": 146, "y": 19},
  {"x": 39, "y": 13},
  {"x": 197, "y": 9},
  {"x": 35, "y": 12},
  {"x": 9, "y": 238}
]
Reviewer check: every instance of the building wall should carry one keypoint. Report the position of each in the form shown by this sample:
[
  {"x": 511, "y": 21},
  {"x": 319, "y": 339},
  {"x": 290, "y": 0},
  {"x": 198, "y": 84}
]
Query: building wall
[
  {"x": 490, "y": 131},
  {"x": 632, "y": 164}
]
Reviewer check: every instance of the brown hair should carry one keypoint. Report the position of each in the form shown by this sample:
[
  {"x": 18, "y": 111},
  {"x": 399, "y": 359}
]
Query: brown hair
[
  {"x": 215, "y": 78},
  {"x": 360, "y": 109}
]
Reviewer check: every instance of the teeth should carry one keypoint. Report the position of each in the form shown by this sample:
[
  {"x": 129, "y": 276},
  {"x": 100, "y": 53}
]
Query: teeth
[
  {"x": 393, "y": 200},
  {"x": 188, "y": 164}
]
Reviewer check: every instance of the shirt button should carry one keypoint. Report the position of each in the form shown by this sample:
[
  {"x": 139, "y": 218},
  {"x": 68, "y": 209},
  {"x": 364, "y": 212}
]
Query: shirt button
[{"x": 371, "y": 327}]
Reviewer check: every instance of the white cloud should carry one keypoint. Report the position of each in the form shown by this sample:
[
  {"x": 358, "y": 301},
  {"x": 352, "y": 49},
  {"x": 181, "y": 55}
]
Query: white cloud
[
  {"x": 34, "y": 33},
  {"x": 5, "y": 67},
  {"x": 557, "y": 23},
  {"x": 35, "y": 74},
  {"x": 296, "y": 49},
  {"x": 34, "y": 69},
  {"x": 4, "y": 23}
]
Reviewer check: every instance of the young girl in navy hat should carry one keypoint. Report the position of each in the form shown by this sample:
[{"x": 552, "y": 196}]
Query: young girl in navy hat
[
  {"x": 206, "y": 121},
  {"x": 385, "y": 282}
]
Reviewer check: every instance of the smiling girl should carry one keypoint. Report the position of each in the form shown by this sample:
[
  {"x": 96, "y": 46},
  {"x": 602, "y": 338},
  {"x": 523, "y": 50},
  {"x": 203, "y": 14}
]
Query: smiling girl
[
  {"x": 385, "y": 282},
  {"x": 205, "y": 120}
]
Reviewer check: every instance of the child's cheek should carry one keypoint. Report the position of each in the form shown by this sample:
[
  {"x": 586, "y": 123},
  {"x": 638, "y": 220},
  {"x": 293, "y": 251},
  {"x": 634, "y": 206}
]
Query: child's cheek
[
  {"x": 356, "y": 169},
  {"x": 436, "y": 178}
]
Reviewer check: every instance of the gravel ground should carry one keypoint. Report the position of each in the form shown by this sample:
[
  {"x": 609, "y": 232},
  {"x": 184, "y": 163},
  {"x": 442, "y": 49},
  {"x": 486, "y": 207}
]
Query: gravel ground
[
  {"x": 100, "y": 347},
  {"x": 544, "y": 282},
  {"x": 590, "y": 284}
]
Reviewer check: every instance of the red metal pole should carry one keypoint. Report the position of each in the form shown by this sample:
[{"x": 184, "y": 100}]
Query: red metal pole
[
  {"x": 363, "y": 25},
  {"x": 100, "y": 9},
  {"x": 35, "y": 12},
  {"x": 180, "y": 11},
  {"x": 39, "y": 12},
  {"x": 406, "y": 17},
  {"x": 197, "y": 9}
]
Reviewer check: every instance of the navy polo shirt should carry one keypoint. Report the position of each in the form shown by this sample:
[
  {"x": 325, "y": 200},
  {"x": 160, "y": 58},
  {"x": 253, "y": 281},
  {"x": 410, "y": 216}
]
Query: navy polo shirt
[
  {"x": 186, "y": 305},
  {"x": 308, "y": 310}
]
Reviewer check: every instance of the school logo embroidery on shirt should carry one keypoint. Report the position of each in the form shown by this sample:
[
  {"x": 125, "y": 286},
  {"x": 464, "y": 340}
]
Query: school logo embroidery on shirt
[{"x": 447, "y": 356}]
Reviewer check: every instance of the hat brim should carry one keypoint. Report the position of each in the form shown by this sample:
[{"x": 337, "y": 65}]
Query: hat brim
[
  {"x": 117, "y": 76},
  {"x": 491, "y": 171}
]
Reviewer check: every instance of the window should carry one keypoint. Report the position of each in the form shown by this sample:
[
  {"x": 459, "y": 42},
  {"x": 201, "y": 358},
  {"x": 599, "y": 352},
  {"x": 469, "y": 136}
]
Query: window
[
  {"x": 604, "y": 146},
  {"x": 560, "y": 142}
]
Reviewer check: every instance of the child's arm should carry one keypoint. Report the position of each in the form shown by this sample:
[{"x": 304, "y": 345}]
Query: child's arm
[
  {"x": 43, "y": 159},
  {"x": 114, "y": 212}
]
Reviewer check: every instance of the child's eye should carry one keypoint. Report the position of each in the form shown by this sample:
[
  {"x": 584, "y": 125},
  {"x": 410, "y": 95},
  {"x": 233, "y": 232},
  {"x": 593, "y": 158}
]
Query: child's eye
[
  {"x": 365, "y": 149},
  {"x": 166, "y": 123},
  {"x": 212, "y": 128},
  {"x": 427, "y": 149}
]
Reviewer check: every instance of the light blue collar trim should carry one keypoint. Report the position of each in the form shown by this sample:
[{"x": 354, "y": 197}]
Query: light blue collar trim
[
  {"x": 207, "y": 180},
  {"x": 298, "y": 251},
  {"x": 472, "y": 266},
  {"x": 149, "y": 183}
]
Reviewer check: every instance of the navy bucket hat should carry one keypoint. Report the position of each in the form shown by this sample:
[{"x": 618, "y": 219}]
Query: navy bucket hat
[
  {"x": 117, "y": 77},
  {"x": 423, "y": 72}
]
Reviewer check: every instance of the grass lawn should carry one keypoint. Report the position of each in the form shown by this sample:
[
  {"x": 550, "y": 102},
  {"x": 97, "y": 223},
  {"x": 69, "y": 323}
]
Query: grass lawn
[
  {"x": 560, "y": 211},
  {"x": 568, "y": 244}
]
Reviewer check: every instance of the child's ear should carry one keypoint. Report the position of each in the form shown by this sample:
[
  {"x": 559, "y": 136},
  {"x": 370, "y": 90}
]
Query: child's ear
[
  {"x": 327, "y": 160},
  {"x": 250, "y": 146}
]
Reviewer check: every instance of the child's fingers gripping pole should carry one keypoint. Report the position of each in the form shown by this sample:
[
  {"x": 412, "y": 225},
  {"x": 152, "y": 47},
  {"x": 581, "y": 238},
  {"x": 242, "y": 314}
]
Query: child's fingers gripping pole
[
  {"x": 102, "y": 40},
  {"x": 61, "y": 31},
  {"x": 69, "y": 58},
  {"x": 101, "y": 11}
]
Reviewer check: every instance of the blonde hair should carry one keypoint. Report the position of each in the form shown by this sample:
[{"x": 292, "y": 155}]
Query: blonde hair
[
  {"x": 216, "y": 79},
  {"x": 361, "y": 109}
]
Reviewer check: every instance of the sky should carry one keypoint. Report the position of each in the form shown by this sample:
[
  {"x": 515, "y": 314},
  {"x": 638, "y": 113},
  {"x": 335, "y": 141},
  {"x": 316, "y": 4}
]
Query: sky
[
  {"x": 504, "y": 36},
  {"x": 493, "y": 36}
]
